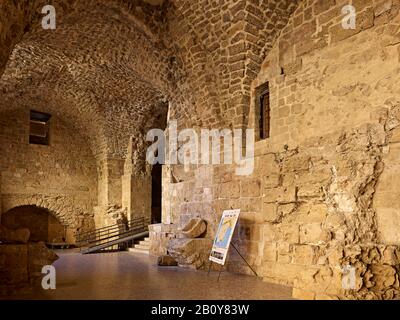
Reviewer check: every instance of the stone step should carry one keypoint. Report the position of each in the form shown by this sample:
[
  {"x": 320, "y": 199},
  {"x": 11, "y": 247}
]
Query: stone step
[
  {"x": 142, "y": 246},
  {"x": 136, "y": 250}
]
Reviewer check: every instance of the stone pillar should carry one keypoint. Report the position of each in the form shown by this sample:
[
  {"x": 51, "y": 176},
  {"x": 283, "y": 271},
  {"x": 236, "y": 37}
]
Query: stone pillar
[
  {"x": 136, "y": 181},
  {"x": 115, "y": 172},
  {"x": 166, "y": 196},
  {"x": 136, "y": 195},
  {"x": 109, "y": 188},
  {"x": 125, "y": 184}
]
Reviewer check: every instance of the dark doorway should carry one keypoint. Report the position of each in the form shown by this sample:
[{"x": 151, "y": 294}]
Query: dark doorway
[
  {"x": 156, "y": 193},
  {"x": 42, "y": 225}
]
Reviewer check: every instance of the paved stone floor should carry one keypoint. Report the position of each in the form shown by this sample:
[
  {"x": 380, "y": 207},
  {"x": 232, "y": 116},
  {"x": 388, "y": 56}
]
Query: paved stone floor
[{"x": 126, "y": 275}]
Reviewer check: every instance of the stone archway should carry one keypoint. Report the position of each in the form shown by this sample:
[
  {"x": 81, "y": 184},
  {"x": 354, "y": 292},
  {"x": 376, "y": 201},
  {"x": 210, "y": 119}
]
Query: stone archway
[
  {"x": 43, "y": 226},
  {"x": 73, "y": 218}
]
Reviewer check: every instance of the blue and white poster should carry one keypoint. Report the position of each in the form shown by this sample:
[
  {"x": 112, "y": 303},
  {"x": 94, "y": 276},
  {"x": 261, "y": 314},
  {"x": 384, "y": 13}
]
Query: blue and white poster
[{"x": 224, "y": 235}]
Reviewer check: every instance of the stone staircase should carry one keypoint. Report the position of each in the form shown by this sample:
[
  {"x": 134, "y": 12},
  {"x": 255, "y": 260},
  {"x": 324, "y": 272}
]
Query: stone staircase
[{"x": 141, "y": 246}]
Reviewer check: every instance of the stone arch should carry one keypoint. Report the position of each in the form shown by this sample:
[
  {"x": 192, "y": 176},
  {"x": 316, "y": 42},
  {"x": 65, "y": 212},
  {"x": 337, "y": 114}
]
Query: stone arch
[
  {"x": 75, "y": 218},
  {"x": 42, "y": 223}
]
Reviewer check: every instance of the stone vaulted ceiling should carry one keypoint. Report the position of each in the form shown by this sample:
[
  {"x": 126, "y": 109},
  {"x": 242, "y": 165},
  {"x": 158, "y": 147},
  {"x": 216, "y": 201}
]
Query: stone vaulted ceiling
[
  {"x": 101, "y": 69},
  {"x": 111, "y": 65}
]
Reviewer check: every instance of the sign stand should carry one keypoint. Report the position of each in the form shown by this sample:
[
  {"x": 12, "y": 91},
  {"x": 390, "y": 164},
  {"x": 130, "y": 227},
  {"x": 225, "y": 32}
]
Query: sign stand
[
  {"x": 223, "y": 240},
  {"x": 220, "y": 270}
]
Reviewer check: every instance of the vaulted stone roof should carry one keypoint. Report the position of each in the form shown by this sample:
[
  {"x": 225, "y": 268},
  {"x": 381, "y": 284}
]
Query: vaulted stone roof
[{"x": 111, "y": 66}]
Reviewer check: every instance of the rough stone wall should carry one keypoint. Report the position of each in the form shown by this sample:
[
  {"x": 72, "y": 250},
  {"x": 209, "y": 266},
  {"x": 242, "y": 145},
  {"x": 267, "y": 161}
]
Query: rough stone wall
[
  {"x": 322, "y": 193},
  {"x": 333, "y": 85},
  {"x": 60, "y": 177}
]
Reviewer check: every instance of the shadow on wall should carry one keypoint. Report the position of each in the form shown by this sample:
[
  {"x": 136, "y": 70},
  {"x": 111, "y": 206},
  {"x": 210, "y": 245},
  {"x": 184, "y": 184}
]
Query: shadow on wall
[{"x": 42, "y": 225}]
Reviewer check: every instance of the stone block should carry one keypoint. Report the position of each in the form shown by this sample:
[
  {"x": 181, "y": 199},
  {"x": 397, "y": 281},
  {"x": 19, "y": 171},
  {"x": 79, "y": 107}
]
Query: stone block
[
  {"x": 365, "y": 20},
  {"x": 267, "y": 165},
  {"x": 388, "y": 222},
  {"x": 21, "y": 264},
  {"x": 251, "y": 204},
  {"x": 195, "y": 228},
  {"x": 229, "y": 190},
  {"x": 14, "y": 236},
  {"x": 271, "y": 181},
  {"x": 269, "y": 232},
  {"x": 321, "y": 6},
  {"x": 250, "y": 188},
  {"x": 270, "y": 212},
  {"x": 281, "y": 195},
  {"x": 166, "y": 261},
  {"x": 312, "y": 233},
  {"x": 310, "y": 191},
  {"x": 281, "y": 272},
  {"x": 304, "y": 255},
  {"x": 289, "y": 233},
  {"x": 270, "y": 252},
  {"x": 296, "y": 163},
  {"x": 192, "y": 253}
]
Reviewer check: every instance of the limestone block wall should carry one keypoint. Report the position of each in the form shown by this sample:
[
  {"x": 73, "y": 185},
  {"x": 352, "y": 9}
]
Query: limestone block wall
[
  {"x": 333, "y": 83},
  {"x": 61, "y": 177},
  {"x": 323, "y": 193}
]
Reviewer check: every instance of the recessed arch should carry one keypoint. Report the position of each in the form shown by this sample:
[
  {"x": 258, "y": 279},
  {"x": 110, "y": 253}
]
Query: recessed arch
[{"x": 43, "y": 224}]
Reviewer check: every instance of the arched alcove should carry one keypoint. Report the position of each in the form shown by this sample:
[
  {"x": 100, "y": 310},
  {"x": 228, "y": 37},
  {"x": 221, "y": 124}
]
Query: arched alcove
[{"x": 42, "y": 224}]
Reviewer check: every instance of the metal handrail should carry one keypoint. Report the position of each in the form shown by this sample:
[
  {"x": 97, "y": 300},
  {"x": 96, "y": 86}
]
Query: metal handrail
[
  {"x": 98, "y": 230},
  {"x": 115, "y": 233},
  {"x": 119, "y": 236},
  {"x": 112, "y": 231}
]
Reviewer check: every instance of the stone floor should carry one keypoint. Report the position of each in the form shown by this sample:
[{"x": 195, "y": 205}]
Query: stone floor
[{"x": 125, "y": 275}]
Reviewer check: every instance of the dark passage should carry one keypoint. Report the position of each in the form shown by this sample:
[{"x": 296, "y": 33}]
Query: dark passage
[{"x": 156, "y": 194}]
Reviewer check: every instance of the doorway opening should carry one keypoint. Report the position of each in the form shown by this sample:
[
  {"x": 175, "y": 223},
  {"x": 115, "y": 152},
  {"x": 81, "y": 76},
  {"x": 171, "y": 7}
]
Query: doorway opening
[{"x": 156, "y": 193}]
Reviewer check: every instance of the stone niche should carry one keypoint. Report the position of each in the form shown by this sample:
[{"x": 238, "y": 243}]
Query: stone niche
[{"x": 42, "y": 225}]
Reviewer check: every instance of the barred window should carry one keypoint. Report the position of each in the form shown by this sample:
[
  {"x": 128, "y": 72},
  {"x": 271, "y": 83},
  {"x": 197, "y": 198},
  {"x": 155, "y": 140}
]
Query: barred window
[{"x": 263, "y": 111}]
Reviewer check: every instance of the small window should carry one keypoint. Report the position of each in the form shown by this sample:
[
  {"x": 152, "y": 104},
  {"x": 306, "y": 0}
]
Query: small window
[
  {"x": 263, "y": 111},
  {"x": 39, "y": 128}
]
